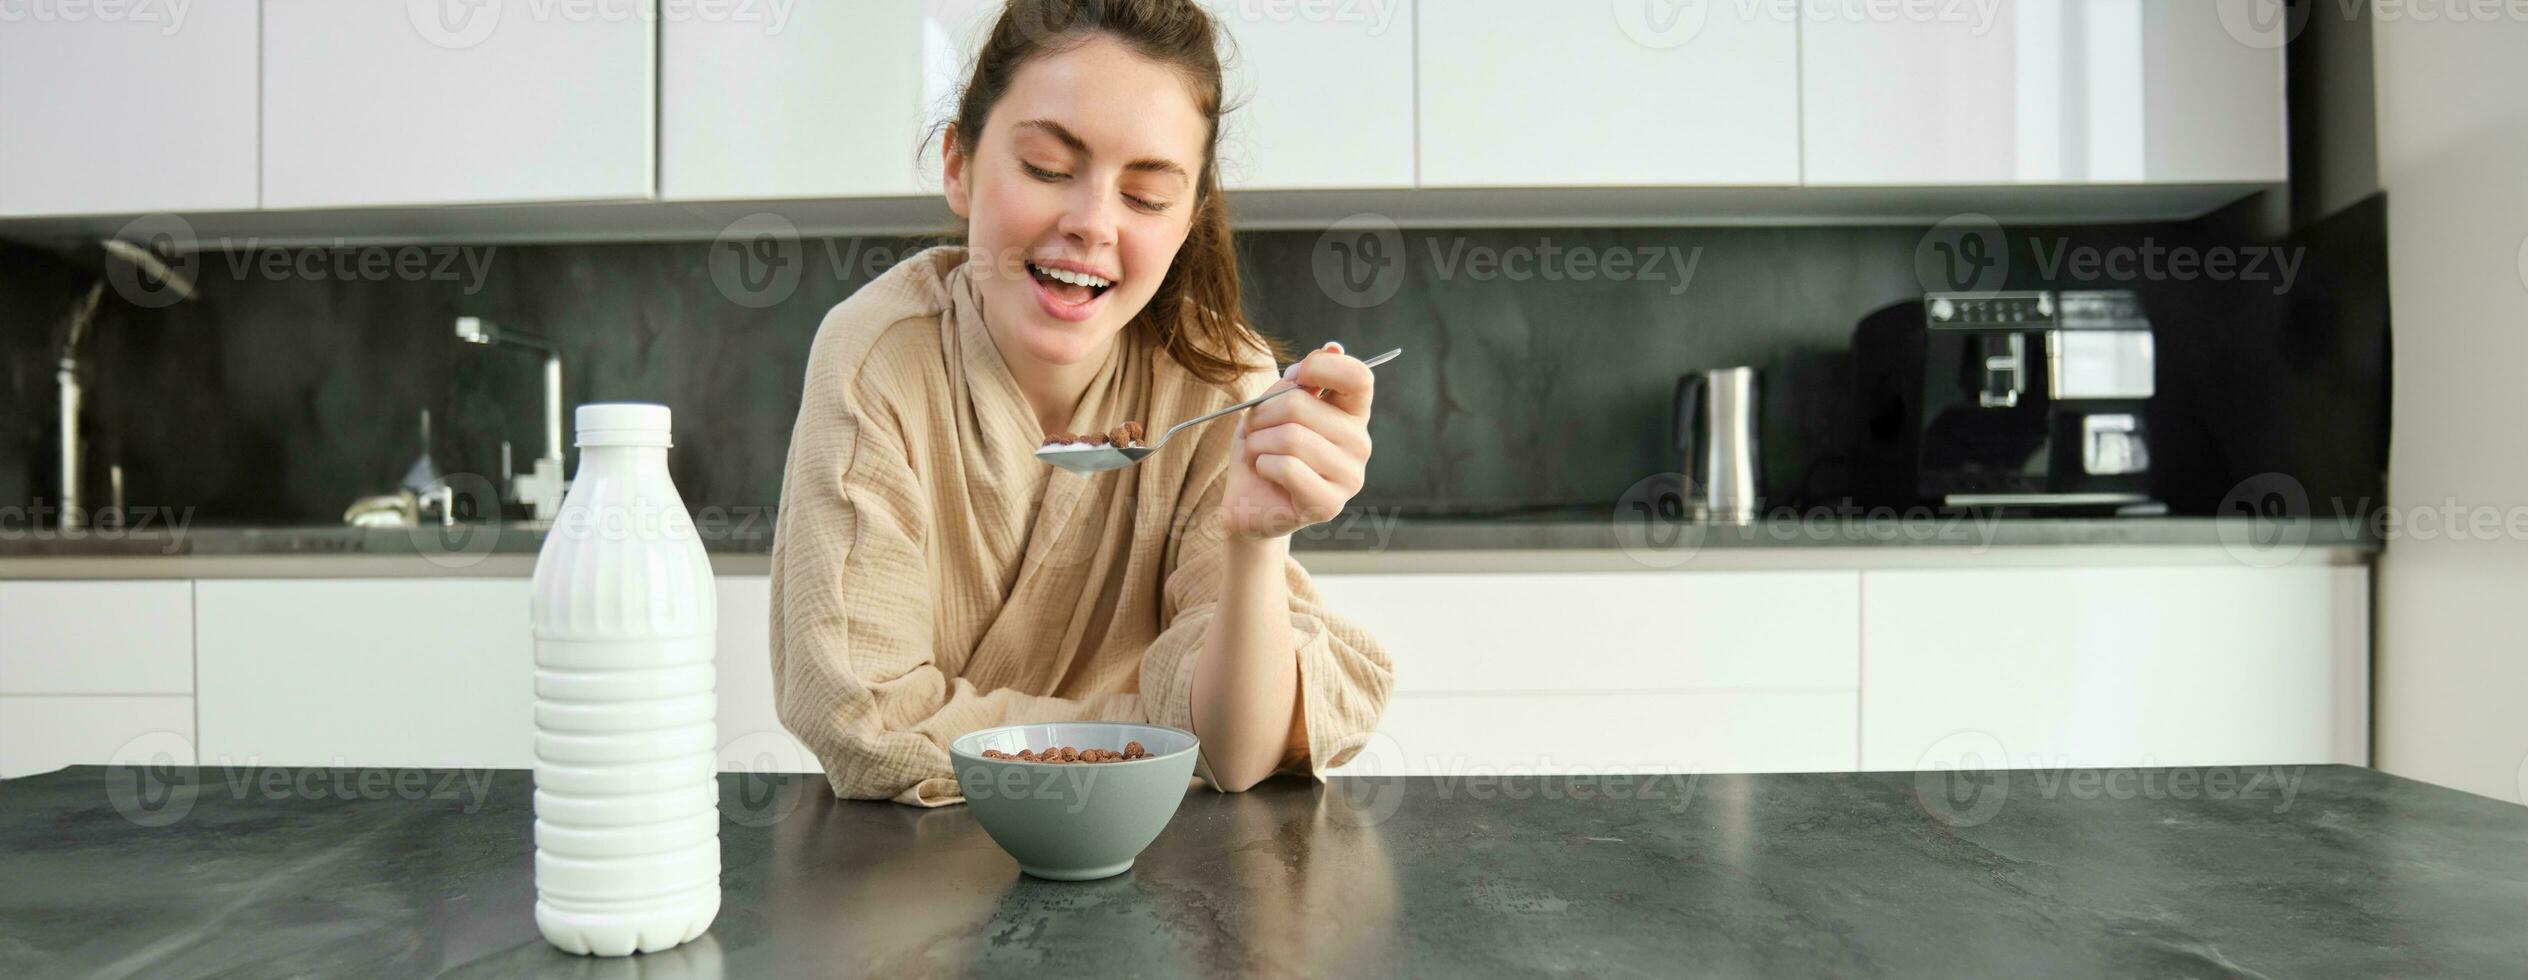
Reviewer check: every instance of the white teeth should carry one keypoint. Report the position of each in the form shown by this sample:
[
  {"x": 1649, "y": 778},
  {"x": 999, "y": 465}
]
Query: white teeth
[{"x": 1074, "y": 278}]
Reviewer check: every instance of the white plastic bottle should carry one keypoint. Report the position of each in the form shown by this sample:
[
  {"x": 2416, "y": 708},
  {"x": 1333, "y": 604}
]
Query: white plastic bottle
[{"x": 627, "y": 804}]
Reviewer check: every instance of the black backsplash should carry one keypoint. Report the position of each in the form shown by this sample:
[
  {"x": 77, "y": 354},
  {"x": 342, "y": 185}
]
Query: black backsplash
[{"x": 293, "y": 383}]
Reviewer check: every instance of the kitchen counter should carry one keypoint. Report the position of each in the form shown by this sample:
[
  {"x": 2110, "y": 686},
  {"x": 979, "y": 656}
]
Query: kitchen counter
[
  {"x": 2317, "y": 871},
  {"x": 1360, "y": 540}
]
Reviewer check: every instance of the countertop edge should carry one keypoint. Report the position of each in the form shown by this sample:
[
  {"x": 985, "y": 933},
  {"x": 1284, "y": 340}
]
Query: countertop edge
[{"x": 1421, "y": 561}]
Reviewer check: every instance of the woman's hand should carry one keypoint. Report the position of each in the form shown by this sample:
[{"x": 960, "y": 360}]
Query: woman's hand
[{"x": 1299, "y": 458}]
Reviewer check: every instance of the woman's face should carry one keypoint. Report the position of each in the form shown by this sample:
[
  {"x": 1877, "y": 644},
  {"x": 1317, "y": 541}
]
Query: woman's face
[{"x": 1085, "y": 171}]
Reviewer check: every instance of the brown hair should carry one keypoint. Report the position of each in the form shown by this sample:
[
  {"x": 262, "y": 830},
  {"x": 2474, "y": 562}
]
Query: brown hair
[{"x": 1196, "y": 315}]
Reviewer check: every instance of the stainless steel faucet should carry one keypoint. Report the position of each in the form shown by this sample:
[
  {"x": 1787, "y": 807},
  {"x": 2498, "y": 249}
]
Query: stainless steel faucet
[
  {"x": 541, "y": 489},
  {"x": 74, "y": 513}
]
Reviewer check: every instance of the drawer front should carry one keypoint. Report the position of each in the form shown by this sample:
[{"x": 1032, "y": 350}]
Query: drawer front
[
  {"x": 1442, "y": 735},
  {"x": 96, "y": 637},
  {"x": 387, "y": 672},
  {"x": 436, "y": 672},
  {"x": 751, "y": 736},
  {"x": 2116, "y": 667},
  {"x": 1613, "y": 631},
  {"x": 41, "y": 734}
]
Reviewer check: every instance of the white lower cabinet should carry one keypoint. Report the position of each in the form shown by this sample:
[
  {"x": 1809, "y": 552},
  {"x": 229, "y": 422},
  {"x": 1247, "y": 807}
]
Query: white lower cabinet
[
  {"x": 751, "y": 736},
  {"x": 1537, "y": 733},
  {"x": 371, "y": 672},
  {"x": 426, "y": 672},
  {"x": 103, "y": 637},
  {"x": 94, "y": 672},
  {"x": 47, "y": 732},
  {"x": 1611, "y": 672},
  {"x": 1680, "y": 671},
  {"x": 2048, "y": 668}
]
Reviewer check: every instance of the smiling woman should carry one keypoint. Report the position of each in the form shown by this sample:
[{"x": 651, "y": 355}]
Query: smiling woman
[{"x": 932, "y": 577}]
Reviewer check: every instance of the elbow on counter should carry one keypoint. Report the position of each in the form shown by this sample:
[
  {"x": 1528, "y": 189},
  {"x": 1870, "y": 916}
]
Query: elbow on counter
[{"x": 1237, "y": 781}]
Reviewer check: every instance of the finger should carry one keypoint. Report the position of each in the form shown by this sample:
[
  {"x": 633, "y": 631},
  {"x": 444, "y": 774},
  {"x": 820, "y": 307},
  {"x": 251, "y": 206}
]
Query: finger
[
  {"x": 1340, "y": 468},
  {"x": 1314, "y": 500},
  {"x": 1334, "y": 346},
  {"x": 1339, "y": 378},
  {"x": 1329, "y": 420}
]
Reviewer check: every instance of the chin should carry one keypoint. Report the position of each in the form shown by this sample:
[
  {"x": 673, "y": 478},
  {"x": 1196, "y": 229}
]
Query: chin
[{"x": 1050, "y": 341}]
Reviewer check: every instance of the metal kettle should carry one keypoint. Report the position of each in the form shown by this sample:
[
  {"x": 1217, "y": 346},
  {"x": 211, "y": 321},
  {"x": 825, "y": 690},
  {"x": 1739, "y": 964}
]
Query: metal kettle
[{"x": 1715, "y": 414}]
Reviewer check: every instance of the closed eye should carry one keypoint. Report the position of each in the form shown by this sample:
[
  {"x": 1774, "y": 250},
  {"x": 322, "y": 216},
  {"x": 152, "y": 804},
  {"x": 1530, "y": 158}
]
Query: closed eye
[
  {"x": 1154, "y": 207},
  {"x": 1041, "y": 173}
]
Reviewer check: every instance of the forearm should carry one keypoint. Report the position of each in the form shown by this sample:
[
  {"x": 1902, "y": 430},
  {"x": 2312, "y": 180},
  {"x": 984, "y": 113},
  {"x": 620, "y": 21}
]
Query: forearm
[{"x": 1246, "y": 687}]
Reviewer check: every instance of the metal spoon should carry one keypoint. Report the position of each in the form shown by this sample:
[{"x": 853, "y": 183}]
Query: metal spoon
[{"x": 1099, "y": 459}]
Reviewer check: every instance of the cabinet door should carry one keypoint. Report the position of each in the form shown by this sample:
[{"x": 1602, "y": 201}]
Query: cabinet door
[
  {"x": 751, "y": 736},
  {"x": 104, "y": 638},
  {"x": 429, "y": 672},
  {"x": 832, "y": 101},
  {"x": 1518, "y": 93},
  {"x": 373, "y": 672},
  {"x": 2115, "y": 667},
  {"x": 41, "y": 734},
  {"x": 370, "y": 104},
  {"x": 1655, "y": 732},
  {"x": 145, "y": 107},
  {"x": 1612, "y": 672},
  {"x": 2042, "y": 92},
  {"x": 1323, "y": 94}
]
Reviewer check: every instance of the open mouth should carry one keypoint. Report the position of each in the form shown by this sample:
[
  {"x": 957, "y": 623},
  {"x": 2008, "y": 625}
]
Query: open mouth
[{"x": 1068, "y": 286}]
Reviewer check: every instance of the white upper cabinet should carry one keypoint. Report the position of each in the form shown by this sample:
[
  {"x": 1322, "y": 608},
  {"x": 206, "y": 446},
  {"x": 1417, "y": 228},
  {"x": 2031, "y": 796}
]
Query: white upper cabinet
[
  {"x": 1632, "y": 93},
  {"x": 2040, "y": 92},
  {"x": 832, "y": 101},
  {"x": 127, "y": 108},
  {"x": 843, "y": 100},
  {"x": 1322, "y": 94},
  {"x": 428, "y": 102},
  {"x": 219, "y": 110}
]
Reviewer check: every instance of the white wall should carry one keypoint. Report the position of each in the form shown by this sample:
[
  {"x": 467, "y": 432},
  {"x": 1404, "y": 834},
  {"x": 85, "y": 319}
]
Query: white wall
[{"x": 2452, "y": 656}]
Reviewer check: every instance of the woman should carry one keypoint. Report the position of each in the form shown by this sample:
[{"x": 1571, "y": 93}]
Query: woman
[{"x": 932, "y": 577}]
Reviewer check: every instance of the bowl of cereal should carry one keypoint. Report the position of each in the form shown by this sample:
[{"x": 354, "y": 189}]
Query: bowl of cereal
[{"x": 1074, "y": 800}]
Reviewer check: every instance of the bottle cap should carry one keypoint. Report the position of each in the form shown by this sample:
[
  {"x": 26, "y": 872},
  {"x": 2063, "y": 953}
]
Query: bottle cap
[{"x": 622, "y": 424}]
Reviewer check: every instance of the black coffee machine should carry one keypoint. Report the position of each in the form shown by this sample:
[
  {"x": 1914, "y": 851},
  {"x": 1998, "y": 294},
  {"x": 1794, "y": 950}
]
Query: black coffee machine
[{"x": 2026, "y": 402}]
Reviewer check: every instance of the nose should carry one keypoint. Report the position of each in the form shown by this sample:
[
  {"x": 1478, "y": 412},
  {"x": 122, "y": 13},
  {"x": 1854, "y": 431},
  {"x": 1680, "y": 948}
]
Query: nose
[{"x": 1088, "y": 218}]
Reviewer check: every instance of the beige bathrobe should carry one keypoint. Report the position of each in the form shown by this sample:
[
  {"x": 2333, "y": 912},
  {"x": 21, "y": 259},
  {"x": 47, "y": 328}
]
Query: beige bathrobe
[{"x": 930, "y": 577}]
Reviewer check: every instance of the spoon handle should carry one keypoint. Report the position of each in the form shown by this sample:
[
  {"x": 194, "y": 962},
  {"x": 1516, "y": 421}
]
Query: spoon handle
[
  {"x": 1257, "y": 400},
  {"x": 1200, "y": 419}
]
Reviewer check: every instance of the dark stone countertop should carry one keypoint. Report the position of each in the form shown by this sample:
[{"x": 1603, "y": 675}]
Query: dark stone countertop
[{"x": 2298, "y": 872}]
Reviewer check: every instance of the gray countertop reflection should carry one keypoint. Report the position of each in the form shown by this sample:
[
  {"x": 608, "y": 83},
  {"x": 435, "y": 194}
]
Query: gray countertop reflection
[
  {"x": 2245, "y": 871},
  {"x": 750, "y": 532}
]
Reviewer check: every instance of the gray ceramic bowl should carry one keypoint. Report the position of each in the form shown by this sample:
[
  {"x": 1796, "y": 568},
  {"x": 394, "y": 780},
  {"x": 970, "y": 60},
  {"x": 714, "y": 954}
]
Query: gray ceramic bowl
[{"x": 1080, "y": 820}]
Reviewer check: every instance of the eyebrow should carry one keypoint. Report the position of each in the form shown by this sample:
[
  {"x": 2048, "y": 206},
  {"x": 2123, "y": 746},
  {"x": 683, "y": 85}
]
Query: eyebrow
[{"x": 1154, "y": 165}]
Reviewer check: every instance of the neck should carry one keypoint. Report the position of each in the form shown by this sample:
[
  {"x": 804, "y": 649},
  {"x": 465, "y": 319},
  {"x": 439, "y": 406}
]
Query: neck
[
  {"x": 635, "y": 461},
  {"x": 1052, "y": 390}
]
